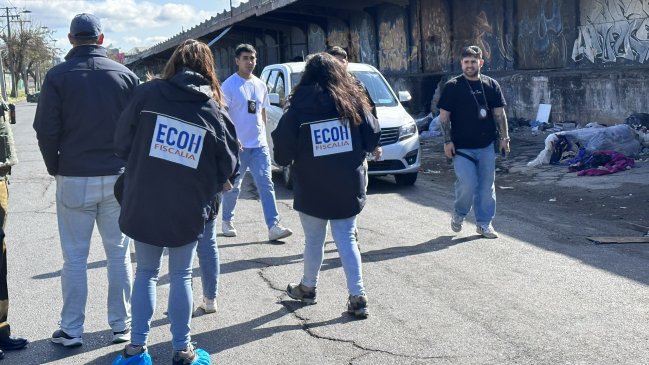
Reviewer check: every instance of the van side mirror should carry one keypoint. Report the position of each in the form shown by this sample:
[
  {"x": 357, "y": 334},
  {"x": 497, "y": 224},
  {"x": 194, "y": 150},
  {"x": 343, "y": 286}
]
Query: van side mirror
[
  {"x": 404, "y": 96},
  {"x": 273, "y": 99}
]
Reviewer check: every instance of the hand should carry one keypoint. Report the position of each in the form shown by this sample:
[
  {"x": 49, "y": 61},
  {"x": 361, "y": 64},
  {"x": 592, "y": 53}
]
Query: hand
[
  {"x": 377, "y": 153},
  {"x": 240, "y": 145},
  {"x": 449, "y": 150},
  {"x": 227, "y": 186},
  {"x": 504, "y": 146}
]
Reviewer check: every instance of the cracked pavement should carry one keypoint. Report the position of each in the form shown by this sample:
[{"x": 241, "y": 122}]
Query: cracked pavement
[{"x": 538, "y": 295}]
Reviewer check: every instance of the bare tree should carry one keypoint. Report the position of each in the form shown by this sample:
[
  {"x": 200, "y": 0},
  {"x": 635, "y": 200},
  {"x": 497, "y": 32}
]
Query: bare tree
[{"x": 29, "y": 53}]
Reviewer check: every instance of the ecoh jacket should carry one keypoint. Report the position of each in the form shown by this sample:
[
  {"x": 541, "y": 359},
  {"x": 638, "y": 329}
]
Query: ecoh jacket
[
  {"x": 180, "y": 147},
  {"x": 326, "y": 154}
]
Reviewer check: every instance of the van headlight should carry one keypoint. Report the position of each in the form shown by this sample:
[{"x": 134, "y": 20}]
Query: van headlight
[{"x": 407, "y": 130}]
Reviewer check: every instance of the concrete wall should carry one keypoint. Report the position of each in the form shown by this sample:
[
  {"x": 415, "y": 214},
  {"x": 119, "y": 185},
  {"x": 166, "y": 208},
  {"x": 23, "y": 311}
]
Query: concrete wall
[{"x": 588, "y": 58}]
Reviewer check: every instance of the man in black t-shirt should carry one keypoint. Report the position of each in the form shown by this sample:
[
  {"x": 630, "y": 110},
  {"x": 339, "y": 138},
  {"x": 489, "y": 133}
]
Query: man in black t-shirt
[{"x": 472, "y": 115}]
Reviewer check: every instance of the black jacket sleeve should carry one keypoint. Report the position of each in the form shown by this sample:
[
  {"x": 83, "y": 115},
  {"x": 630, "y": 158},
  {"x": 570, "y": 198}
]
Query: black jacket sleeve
[
  {"x": 127, "y": 126},
  {"x": 285, "y": 139},
  {"x": 370, "y": 132},
  {"x": 227, "y": 150},
  {"x": 48, "y": 125}
]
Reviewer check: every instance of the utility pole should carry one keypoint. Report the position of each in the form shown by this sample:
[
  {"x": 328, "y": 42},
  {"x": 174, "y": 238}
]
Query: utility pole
[{"x": 3, "y": 85}]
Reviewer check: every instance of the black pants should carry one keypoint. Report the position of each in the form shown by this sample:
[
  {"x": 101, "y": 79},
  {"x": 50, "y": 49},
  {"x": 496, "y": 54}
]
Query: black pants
[{"x": 5, "y": 331}]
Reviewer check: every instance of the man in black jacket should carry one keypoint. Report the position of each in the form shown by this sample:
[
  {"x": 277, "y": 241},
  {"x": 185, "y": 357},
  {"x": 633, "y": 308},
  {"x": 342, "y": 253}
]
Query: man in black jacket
[{"x": 80, "y": 102}]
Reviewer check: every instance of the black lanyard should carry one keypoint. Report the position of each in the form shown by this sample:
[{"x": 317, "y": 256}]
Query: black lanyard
[{"x": 484, "y": 95}]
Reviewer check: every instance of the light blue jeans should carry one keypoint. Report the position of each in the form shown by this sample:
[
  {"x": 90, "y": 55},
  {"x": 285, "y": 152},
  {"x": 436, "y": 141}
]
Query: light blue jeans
[
  {"x": 208, "y": 260},
  {"x": 474, "y": 185},
  {"x": 342, "y": 230},
  {"x": 149, "y": 259},
  {"x": 80, "y": 202},
  {"x": 258, "y": 160}
]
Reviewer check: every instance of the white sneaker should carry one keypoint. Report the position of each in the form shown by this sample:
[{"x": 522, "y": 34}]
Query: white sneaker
[
  {"x": 228, "y": 229},
  {"x": 487, "y": 231},
  {"x": 208, "y": 305},
  {"x": 278, "y": 232},
  {"x": 122, "y": 336}
]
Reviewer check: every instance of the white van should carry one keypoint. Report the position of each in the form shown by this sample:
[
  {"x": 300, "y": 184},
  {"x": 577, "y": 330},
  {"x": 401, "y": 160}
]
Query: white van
[{"x": 399, "y": 136}]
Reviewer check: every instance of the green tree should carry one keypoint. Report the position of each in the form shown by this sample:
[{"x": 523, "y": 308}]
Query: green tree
[{"x": 29, "y": 53}]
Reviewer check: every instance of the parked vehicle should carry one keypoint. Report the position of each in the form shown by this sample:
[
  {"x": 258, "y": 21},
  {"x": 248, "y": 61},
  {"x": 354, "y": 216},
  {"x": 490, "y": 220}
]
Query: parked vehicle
[
  {"x": 33, "y": 98},
  {"x": 399, "y": 137}
]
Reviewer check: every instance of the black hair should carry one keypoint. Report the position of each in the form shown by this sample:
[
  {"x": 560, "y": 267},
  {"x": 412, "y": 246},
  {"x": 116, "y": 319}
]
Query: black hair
[
  {"x": 244, "y": 48},
  {"x": 337, "y": 51},
  {"x": 472, "y": 51}
]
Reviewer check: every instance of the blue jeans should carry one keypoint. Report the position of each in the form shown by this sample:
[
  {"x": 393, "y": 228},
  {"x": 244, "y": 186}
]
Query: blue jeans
[
  {"x": 208, "y": 260},
  {"x": 342, "y": 230},
  {"x": 80, "y": 202},
  {"x": 149, "y": 259},
  {"x": 258, "y": 160},
  {"x": 475, "y": 184}
]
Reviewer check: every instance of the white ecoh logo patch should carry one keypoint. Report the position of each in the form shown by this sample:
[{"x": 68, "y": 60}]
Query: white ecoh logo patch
[
  {"x": 176, "y": 141},
  {"x": 330, "y": 137}
]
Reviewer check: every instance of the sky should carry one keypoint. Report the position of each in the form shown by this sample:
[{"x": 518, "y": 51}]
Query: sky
[{"x": 126, "y": 23}]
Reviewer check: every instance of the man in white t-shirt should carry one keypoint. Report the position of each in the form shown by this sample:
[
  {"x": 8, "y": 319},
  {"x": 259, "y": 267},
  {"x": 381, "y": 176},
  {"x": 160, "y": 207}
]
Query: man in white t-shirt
[{"x": 247, "y": 100}]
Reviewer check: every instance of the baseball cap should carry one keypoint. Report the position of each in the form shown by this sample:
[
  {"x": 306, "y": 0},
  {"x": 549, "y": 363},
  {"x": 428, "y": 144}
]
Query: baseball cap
[{"x": 85, "y": 25}]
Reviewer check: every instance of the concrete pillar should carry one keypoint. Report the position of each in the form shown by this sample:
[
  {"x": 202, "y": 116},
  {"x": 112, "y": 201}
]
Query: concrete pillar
[
  {"x": 337, "y": 33},
  {"x": 362, "y": 31},
  {"x": 392, "y": 39},
  {"x": 317, "y": 39}
]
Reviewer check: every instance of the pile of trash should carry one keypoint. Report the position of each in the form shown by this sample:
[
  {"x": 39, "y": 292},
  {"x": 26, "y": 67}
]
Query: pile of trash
[
  {"x": 640, "y": 122},
  {"x": 605, "y": 149},
  {"x": 428, "y": 126}
]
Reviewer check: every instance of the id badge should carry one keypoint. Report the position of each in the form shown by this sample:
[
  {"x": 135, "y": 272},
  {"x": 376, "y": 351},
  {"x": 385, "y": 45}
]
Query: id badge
[
  {"x": 252, "y": 106},
  {"x": 482, "y": 113}
]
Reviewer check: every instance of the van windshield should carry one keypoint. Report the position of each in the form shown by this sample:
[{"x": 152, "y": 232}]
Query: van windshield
[
  {"x": 378, "y": 89},
  {"x": 374, "y": 83}
]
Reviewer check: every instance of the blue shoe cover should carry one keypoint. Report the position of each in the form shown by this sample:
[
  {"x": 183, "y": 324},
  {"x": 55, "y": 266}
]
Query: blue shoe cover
[
  {"x": 139, "y": 359},
  {"x": 202, "y": 358}
]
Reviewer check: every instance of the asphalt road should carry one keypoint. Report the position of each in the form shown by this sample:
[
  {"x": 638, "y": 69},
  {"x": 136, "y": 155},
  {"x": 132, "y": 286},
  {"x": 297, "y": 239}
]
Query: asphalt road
[{"x": 530, "y": 297}]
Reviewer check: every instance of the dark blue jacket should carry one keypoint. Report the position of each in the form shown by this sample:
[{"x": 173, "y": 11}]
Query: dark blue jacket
[
  {"x": 328, "y": 186},
  {"x": 180, "y": 148},
  {"x": 80, "y": 102}
]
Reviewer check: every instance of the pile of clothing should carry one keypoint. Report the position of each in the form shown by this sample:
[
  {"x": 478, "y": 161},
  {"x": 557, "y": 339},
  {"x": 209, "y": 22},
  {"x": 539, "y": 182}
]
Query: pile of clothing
[
  {"x": 589, "y": 164},
  {"x": 562, "y": 146}
]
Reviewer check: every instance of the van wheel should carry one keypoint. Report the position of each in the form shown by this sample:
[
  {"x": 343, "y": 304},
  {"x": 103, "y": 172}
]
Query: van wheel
[
  {"x": 406, "y": 179},
  {"x": 287, "y": 176}
]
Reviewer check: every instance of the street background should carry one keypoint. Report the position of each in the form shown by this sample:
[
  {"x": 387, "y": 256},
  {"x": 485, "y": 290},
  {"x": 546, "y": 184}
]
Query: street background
[{"x": 541, "y": 294}]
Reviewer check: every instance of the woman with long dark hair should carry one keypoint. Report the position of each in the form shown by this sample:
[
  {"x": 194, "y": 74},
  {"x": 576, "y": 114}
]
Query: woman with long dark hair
[
  {"x": 325, "y": 133},
  {"x": 180, "y": 149}
]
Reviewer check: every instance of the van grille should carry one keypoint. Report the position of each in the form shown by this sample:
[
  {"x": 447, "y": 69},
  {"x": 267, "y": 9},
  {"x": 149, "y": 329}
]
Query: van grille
[{"x": 389, "y": 136}]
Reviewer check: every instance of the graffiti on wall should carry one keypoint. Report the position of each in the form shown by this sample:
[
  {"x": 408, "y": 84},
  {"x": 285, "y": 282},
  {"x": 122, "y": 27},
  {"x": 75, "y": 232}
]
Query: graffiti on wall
[
  {"x": 338, "y": 33},
  {"x": 362, "y": 33},
  {"x": 542, "y": 42},
  {"x": 483, "y": 23},
  {"x": 436, "y": 35},
  {"x": 393, "y": 43},
  {"x": 613, "y": 30}
]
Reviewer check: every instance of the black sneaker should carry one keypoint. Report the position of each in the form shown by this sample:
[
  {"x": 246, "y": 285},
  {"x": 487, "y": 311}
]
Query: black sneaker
[
  {"x": 357, "y": 305},
  {"x": 302, "y": 293},
  {"x": 66, "y": 340},
  {"x": 122, "y": 336},
  {"x": 131, "y": 350},
  {"x": 184, "y": 357}
]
